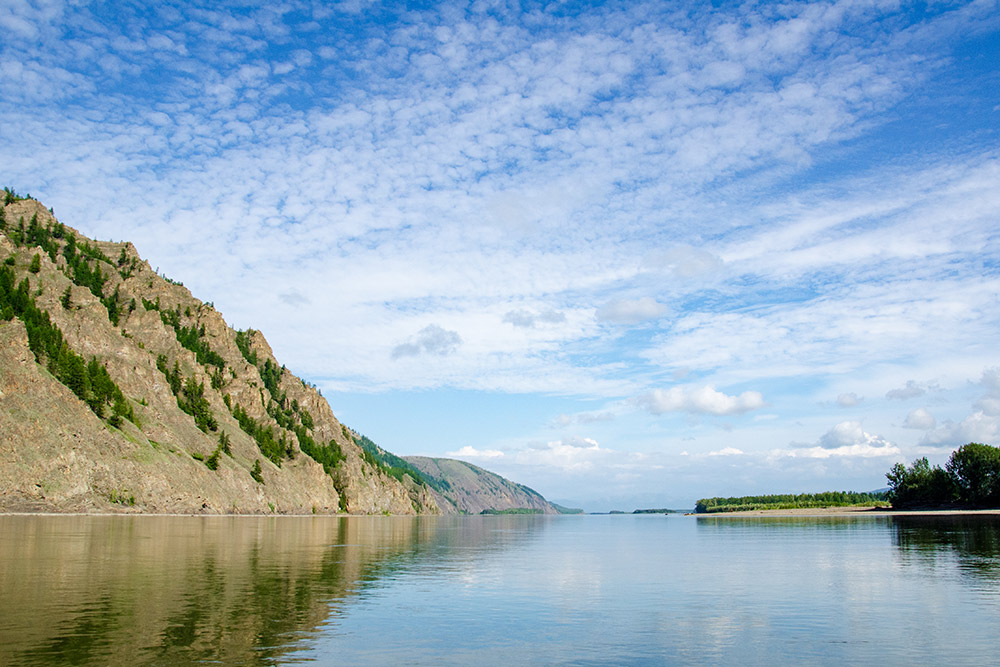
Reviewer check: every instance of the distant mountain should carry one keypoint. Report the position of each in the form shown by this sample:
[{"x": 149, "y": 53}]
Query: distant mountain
[
  {"x": 461, "y": 487},
  {"x": 119, "y": 391}
]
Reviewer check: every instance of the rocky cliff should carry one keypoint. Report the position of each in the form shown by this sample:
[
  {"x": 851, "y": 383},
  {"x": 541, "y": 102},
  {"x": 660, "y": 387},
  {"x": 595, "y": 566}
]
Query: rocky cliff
[
  {"x": 461, "y": 487},
  {"x": 119, "y": 391}
]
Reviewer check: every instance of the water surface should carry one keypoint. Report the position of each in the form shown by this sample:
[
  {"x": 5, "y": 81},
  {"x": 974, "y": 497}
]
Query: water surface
[{"x": 574, "y": 590}]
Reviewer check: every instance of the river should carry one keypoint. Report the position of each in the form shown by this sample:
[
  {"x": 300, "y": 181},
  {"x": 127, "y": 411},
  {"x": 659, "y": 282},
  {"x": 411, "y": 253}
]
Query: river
[{"x": 499, "y": 590}]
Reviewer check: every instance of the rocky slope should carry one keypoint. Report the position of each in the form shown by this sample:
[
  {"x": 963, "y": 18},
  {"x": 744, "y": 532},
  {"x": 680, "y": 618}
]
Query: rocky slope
[
  {"x": 119, "y": 391},
  {"x": 461, "y": 487}
]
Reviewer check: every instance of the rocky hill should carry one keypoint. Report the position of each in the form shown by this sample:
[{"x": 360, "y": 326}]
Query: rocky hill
[
  {"x": 461, "y": 487},
  {"x": 119, "y": 391}
]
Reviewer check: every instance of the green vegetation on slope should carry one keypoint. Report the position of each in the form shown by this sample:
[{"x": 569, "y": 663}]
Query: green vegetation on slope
[
  {"x": 566, "y": 510},
  {"x": 392, "y": 465},
  {"x": 55, "y": 261},
  {"x": 83, "y": 261},
  {"x": 190, "y": 395},
  {"x": 88, "y": 380},
  {"x": 789, "y": 501}
]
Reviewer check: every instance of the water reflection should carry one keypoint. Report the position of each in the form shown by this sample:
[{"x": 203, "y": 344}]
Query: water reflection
[
  {"x": 171, "y": 590},
  {"x": 498, "y": 590},
  {"x": 759, "y": 524},
  {"x": 972, "y": 541}
]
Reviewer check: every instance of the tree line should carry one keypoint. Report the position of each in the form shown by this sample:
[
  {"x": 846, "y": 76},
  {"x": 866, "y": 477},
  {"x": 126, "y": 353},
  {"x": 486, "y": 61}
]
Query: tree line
[
  {"x": 971, "y": 478},
  {"x": 788, "y": 501}
]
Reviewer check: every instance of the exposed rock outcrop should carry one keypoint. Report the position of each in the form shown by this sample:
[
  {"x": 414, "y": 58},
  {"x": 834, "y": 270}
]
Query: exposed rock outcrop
[{"x": 157, "y": 342}]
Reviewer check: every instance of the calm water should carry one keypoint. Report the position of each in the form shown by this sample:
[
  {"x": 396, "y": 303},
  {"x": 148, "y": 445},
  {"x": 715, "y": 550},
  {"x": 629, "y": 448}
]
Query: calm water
[{"x": 499, "y": 590}]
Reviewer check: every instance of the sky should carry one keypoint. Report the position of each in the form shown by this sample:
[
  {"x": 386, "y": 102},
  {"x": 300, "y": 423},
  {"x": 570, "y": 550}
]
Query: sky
[{"x": 629, "y": 254}]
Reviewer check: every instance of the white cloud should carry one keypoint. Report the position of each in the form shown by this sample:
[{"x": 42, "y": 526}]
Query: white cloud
[
  {"x": 864, "y": 451},
  {"x": 977, "y": 427},
  {"x": 990, "y": 403},
  {"x": 848, "y": 400},
  {"x": 585, "y": 418},
  {"x": 631, "y": 311},
  {"x": 850, "y": 433},
  {"x": 911, "y": 390},
  {"x": 727, "y": 451},
  {"x": 845, "y": 440},
  {"x": 699, "y": 400},
  {"x": 572, "y": 454},
  {"x": 920, "y": 419},
  {"x": 469, "y": 452},
  {"x": 684, "y": 261},
  {"x": 503, "y": 174},
  {"x": 529, "y": 319},
  {"x": 432, "y": 339}
]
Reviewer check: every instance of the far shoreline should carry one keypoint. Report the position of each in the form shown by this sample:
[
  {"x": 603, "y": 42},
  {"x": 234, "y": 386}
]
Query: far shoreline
[{"x": 848, "y": 511}]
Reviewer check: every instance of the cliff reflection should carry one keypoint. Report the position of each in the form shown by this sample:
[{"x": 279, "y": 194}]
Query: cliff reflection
[{"x": 171, "y": 590}]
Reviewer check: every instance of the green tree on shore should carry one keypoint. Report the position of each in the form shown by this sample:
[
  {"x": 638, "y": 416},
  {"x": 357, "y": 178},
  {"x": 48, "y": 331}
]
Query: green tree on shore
[
  {"x": 971, "y": 478},
  {"x": 975, "y": 468},
  {"x": 919, "y": 485}
]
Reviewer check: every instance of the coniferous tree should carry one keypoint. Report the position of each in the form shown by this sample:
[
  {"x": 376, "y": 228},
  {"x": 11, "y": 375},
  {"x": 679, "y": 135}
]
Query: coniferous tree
[
  {"x": 213, "y": 461},
  {"x": 225, "y": 444}
]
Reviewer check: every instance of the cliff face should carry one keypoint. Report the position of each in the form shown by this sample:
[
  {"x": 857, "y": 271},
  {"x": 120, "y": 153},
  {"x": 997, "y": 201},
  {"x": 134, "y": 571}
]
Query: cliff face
[
  {"x": 461, "y": 487},
  {"x": 192, "y": 394}
]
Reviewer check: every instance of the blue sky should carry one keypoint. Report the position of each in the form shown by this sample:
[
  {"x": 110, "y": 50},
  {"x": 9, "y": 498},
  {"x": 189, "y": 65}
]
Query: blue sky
[{"x": 629, "y": 254}]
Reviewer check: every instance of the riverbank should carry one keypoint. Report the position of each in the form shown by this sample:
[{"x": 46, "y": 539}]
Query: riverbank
[{"x": 846, "y": 511}]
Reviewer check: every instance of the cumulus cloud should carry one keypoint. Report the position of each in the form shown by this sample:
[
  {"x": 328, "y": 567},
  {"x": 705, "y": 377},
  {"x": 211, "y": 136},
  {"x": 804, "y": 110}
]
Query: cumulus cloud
[
  {"x": 469, "y": 452},
  {"x": 570, "y": 454},
  {"x": 911, "y": 390},
  {"x": 631, "y": 311},
  {"x": 849, "y": 433},
  {"x": 432, "y": 339},
  {"x": 990, "y": 403},
  {"x": 699, "y": 400},
  {"x": 727, "y": 451},
  {"x": 977, "y": 427},
  {"x": 991, "y": 379},
  {"x": 848, "y": 400},
  {"x": 920, "y": 419},
  {"x": 845, "y": 440}
]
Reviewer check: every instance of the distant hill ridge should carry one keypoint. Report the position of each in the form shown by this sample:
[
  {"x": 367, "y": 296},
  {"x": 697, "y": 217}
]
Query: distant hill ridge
[
  {"x": 120, "y": 391},
  {"x": 471, "y": 490}
]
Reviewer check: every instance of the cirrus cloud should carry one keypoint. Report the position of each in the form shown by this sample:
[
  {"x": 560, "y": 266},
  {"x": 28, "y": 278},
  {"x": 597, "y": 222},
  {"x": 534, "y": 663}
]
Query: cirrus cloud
[{"x": 631, "y": 311}]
